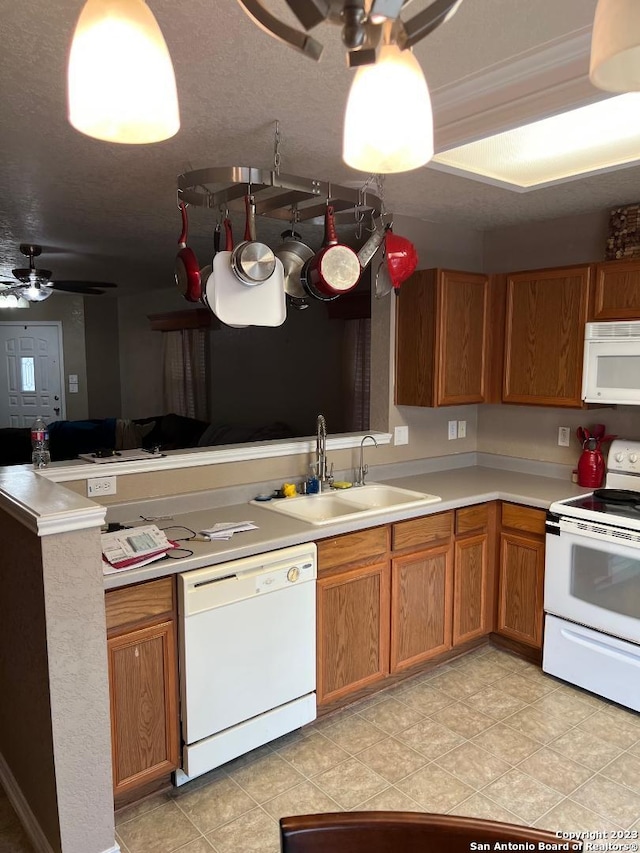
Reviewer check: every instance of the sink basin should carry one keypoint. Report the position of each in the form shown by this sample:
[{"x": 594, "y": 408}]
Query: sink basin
[{"x": 358, "y": 502}]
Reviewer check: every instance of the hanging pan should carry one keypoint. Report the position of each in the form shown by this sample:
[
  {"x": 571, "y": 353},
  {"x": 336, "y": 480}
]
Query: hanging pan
[
  {"x": 294, "y": 254},
  {"x": 252, "y": 262},
  {"x": 335, "y": 269},
  {"x": 187, "y": 271}
]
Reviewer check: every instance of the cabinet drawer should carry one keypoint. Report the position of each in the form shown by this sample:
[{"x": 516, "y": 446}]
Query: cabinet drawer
[
  {"x": 471, "y": 518},
  {"x": 352, "y": 547},
  {"x": 523, "y": 518},
  {"x": 131, "y": 604},
  {"x": 422, "y": 531}
]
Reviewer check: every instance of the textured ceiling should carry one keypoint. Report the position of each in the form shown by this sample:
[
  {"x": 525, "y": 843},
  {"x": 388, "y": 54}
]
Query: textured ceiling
[{"x": 108, "y": 212}]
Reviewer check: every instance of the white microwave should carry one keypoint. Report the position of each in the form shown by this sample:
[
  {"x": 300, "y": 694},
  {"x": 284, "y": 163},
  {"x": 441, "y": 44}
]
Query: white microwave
[{"x": 611, "y": 367}]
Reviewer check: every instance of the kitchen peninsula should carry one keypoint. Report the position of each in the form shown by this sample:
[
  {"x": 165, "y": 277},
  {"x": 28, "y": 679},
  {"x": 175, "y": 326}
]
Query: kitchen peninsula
[{"x": 55, "y": 717}]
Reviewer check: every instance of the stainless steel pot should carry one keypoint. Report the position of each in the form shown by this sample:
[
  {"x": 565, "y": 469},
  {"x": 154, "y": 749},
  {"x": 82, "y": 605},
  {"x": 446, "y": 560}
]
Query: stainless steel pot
[{"x": 294, "y": 254}]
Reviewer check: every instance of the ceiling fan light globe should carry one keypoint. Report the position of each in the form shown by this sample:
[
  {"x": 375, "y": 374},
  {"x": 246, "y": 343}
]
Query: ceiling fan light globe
[
  {"x": 615, "y": 46},
  {"x": 121, "y": 85},
  {"x": 10, "y": 300},
  {"x": 33, "y": 293},
  {"x": 388, "y": 125}
]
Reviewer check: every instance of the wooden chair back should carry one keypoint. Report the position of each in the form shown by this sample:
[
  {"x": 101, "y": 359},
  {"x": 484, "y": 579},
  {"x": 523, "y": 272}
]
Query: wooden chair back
[{"x": 410, "y": 832}]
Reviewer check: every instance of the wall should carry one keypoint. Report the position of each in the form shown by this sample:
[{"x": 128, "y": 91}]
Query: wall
[
  {"x": 103, "y": 357},
  {"x": 55, "y": 749},
  {"x": 70, "y": 311},
  {"x": 26, "y": 740},
  {"x": 554, "y": 242}
]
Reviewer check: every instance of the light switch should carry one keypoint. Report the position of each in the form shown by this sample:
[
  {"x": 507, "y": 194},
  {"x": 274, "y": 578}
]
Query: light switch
[
  {"x": 401, "y": 435},
  {"x": 73, "y": 379}
]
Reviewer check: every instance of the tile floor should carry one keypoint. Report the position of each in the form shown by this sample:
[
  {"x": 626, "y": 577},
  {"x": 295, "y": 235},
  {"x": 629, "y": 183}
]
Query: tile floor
[{"x": 488, "y": 735}]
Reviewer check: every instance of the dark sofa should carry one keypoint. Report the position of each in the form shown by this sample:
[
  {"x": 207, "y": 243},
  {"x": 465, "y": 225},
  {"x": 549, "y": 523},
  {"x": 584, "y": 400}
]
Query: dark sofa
[{"x": 67, "y": 439}]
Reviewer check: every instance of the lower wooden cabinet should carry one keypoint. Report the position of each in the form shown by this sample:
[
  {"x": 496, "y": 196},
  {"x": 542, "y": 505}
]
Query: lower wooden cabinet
[
  {"x": 352, "y": 597},
  {"x": 521, "y": 575},
  {"x": 393, "y": 597},
  {"x": 353, "y": 642},
  {"x": 421, "y": 606},
  {"x": 143, "y": 683}
]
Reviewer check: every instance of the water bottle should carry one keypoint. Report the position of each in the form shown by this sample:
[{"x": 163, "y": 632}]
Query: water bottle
[{"x": 40, "y": 455}]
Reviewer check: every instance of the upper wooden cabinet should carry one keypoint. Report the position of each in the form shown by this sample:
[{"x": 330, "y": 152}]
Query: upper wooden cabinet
[
  {"x": 546, "y": 312},
  {"x": 617, "y": 291},
  {"x": 442, "y": 339}
]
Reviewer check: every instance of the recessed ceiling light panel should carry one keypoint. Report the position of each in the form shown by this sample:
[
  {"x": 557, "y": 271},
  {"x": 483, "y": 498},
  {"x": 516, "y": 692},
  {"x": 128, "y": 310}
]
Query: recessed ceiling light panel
[{"x": 592, "y": 139}]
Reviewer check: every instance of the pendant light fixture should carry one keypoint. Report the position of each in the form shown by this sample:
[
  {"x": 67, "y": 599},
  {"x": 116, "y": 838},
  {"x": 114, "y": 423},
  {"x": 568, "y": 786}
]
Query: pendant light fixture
[
  {"x": 615, "y": 46},
  {"x": 388, "y": 125},
  {"x": 121, "y": 84}
]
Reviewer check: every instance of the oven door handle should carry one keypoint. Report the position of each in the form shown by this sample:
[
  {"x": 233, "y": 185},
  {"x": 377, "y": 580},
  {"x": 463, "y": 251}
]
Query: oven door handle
[{"x": 601, "y": 533}]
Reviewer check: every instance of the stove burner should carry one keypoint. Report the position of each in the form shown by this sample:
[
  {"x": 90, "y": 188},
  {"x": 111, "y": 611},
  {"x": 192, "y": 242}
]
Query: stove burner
[{"x": 617, "y": 496}]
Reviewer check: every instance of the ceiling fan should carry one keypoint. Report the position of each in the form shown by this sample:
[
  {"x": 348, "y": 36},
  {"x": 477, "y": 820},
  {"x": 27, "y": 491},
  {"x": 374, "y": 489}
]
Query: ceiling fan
[{"x": 35, "y": 285}]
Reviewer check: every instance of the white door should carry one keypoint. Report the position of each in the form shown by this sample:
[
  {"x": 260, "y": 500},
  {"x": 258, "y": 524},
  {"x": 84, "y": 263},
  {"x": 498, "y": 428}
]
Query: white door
[{"x": 30, "y": 373}]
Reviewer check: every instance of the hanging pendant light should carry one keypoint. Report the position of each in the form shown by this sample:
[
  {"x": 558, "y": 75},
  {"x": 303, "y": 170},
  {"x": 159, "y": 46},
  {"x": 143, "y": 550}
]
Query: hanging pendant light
[
  {"x": 615, "y": 46},
  {"x": 121, "y": 84},
  {"x": 388, "y": 125}
]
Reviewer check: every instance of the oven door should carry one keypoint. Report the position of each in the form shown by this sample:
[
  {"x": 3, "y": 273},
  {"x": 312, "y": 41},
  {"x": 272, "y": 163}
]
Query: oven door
[{"x": 592, "y": 577}]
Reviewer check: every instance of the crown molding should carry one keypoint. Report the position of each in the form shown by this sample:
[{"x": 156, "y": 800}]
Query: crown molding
[{"x": 531, "y": 85}]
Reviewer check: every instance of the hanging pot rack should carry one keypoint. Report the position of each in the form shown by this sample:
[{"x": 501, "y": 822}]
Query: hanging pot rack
[{"x": 276, "y": 195}]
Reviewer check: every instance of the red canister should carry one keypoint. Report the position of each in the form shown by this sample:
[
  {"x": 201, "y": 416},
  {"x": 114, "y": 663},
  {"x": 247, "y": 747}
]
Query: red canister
[{"x": 591, "y": 468}]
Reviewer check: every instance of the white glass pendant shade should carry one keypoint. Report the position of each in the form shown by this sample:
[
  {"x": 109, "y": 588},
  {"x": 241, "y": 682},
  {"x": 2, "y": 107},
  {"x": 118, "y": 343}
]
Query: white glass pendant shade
[
  {"x": 121, "y": 84},
  {"x": 388, "y": 124},
  {"x": 615, "y": 46}
]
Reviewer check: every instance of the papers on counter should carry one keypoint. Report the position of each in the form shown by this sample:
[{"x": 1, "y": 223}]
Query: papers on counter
[{"x": 226, "y": 529}]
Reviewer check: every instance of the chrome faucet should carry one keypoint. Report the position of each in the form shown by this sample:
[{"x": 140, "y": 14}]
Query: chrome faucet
[
  {"x": 324, "y": 479},
  {"x": 363, "y": 470}
]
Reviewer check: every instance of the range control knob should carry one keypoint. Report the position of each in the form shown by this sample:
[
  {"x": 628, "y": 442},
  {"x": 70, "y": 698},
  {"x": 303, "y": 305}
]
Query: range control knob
[
  {"x": 633, "y": 457},
  {"x": 619, "y": 457},
  {"x": 293, "y": 574}
]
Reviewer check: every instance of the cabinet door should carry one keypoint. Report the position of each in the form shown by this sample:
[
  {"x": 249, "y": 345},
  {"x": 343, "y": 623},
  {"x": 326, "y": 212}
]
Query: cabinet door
[
  {"x": 353, "y": 630},
  {"x": 520, "y": 588},
  {"x": 442, "y": 339},
  {"x": 421, "y": 588},
  {"x": 617, "y": 291},
  {"x": 144, "y": 707},
  {"x": 470, "y": 588},
  {"x": 462, "y": 356},
  {"x": 545, "y": 318}
]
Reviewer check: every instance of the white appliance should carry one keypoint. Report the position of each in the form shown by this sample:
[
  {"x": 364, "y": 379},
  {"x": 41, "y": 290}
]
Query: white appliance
[
  {"x": 247, "y": 654},
  {"x": 611, "y": 366},
  {"x": 592, "y": 584}
]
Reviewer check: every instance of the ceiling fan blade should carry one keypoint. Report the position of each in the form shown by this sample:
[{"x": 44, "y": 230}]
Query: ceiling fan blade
[
  {"x": 76, "y": 287},
  {"x": 71, "y": 283}
]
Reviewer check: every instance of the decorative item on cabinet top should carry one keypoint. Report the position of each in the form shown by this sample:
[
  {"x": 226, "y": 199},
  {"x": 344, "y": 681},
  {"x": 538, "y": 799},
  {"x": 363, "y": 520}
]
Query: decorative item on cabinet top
[{"x": 624, "y": 233}]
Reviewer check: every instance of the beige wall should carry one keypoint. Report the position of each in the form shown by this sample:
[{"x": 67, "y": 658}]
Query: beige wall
[
  {"x": 103, "y": 357},
  {"x": 556, "y": 242},
  {"x": 69, "y": 310},
  {"x": 26, "y": 739},
  {"x": 55, "y": 749}
]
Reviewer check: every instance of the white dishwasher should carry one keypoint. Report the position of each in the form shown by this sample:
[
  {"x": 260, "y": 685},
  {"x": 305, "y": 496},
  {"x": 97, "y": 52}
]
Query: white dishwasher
[{"x": 247, "y": 655}]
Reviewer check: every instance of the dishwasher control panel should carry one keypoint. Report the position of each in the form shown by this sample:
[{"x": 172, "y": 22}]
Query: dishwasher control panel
[{"x": 216, "y": 586}]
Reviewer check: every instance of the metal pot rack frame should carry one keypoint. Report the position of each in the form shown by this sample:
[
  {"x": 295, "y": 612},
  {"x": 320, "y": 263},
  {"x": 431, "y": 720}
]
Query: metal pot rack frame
[{"x": 277, "y": 196}]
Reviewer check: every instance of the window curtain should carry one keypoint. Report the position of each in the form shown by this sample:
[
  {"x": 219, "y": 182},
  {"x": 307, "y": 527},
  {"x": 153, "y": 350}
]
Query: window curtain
[
  {"x": 184, "y": 378},
  {"x": 357, "y": 343}
]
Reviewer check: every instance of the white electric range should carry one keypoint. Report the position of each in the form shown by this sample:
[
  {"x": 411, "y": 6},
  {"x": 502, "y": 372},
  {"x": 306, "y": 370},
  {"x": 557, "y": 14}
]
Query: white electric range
[{"x": 592, "y": 583}]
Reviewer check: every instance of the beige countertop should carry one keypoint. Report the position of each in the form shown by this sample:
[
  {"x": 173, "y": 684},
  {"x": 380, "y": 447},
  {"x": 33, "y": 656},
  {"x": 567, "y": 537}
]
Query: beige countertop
[{"x": 457, "y": 487}]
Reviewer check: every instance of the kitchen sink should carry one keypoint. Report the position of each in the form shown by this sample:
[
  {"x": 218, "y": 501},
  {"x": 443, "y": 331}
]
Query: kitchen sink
[{"x": 357, "y": 502}]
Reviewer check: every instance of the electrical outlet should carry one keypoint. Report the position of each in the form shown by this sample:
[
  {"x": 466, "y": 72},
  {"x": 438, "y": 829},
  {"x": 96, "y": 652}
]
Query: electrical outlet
[
  {"x": 564, "y": 436},
  {"x": 453, "y": 430},
  {"x": 101, "y": 486},
  {"x": 462, "y": 429},
  {"x": 401, "y": 435}
]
